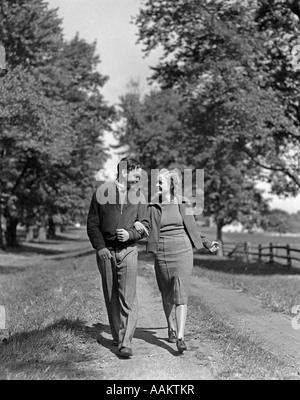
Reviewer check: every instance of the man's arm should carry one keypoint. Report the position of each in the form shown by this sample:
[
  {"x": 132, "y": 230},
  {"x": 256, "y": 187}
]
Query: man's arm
[
  {"x": 93, "y": 226},
  {"x": 143, "y": 217}
]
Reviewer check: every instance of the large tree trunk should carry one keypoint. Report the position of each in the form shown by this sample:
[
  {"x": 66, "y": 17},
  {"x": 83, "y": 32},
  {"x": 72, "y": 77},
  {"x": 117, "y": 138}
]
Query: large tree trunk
[
  {"x": 11, "y": 231},
  {"x": 1, "y": 231},
  {"x": 51, "y": 229},
  {"x": 219, "y": 238}
]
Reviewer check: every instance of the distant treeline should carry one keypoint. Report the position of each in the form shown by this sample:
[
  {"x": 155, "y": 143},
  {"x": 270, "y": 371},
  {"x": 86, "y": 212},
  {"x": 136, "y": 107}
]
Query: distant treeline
[{"x": 281, "y": 221}]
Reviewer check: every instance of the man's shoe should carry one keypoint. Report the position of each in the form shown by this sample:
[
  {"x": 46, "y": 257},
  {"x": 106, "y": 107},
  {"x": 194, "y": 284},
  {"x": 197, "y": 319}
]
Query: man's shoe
[
  {"x": 172, "y": 336},
  {"x": 125, "y": 352},
  {"x": 181, "y": 346}
]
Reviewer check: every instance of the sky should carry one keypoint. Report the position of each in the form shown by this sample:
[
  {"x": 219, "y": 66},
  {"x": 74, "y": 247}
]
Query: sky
[{"x": 108, "y": 22}]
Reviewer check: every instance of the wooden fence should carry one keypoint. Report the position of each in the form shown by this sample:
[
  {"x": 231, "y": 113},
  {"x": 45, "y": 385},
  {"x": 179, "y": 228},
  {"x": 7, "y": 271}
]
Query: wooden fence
[{"x": 262, "y": 253}]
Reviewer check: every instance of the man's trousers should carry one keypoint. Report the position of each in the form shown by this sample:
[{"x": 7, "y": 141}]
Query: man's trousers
[{"x": 119, "y": 277}]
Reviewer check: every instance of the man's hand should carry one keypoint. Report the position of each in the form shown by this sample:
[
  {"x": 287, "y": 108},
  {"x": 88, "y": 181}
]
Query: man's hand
[
  {"x": 104, "y": 254},
  {"x": 122, "y": 235},
  {"x": 214, "y": 246},
  {"x": 141, "y": 228}
]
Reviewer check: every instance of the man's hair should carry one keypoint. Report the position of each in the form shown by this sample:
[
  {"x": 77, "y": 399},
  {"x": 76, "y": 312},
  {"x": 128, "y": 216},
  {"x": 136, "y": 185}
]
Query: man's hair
[{"x": 130, "y": 163}]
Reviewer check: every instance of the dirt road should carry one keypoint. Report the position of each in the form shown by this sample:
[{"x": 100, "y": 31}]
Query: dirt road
[
  {"x": 155, "y": 358},
  {"x": 274, "y": 331}
]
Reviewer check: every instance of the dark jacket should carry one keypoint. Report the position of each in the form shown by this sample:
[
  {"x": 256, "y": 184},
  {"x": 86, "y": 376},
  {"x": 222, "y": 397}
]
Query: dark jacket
[
  {"x": 104, "y": 219},
  {"x": 154, "y": 211}
]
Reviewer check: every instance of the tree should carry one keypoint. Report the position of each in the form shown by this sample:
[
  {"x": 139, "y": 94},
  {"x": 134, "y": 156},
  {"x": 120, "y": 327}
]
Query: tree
[
  {"x": 73, "y": 79},
  {"x": 30, "y": 142},
  {"x": 30, "y": 32},
  {"x": 276, "y": 220},
  {"x": 294, "y": 222},
  {"x": 231, "y": 194},
  {"x": 152, "y": 127},
  {"x": 234, "y": 59},
  {"x": 157, "y": 129},
  {"x": 235, "y": 70},
  {"x": 52, "y": 118}
]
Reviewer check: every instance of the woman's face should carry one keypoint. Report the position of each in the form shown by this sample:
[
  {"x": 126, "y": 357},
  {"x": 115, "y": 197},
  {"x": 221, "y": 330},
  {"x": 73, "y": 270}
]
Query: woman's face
[{"x": 162, "y": 185}]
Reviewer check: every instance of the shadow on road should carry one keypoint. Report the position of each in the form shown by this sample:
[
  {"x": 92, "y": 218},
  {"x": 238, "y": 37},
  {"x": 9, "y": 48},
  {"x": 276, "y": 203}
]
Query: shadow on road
[
  {"x": 149, "y": 336},
  {"x": 145, "y": 334},
  {"x": 11, "y": 270},
  {"x": 38, "y": 249}
]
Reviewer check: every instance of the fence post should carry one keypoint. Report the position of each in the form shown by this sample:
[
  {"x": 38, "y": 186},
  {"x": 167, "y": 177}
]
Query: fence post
[
  {"x": 259, "y": 252},
  {"x": 249, "y": 250},
  {"x": 223, "y": 248},
  {"x": 288, "y": 255},
  {"x": 246, "y": 251},
  {"x": 221, "y": 251},
  {"x": 271, "y": 254}
]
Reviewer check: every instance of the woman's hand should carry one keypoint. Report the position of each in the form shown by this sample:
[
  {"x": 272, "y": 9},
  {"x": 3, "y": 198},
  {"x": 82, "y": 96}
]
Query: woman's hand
[
  {"x": 215, "y": 246},
  {"x": 141, "y": 228}
]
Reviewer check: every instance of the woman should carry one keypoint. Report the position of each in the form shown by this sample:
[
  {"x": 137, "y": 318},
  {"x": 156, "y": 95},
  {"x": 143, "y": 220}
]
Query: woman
[{"x": 172, "y": 237}]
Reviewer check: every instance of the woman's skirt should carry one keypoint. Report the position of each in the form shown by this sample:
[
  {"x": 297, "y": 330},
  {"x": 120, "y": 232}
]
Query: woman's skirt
[{"x": 173, "y": 268}]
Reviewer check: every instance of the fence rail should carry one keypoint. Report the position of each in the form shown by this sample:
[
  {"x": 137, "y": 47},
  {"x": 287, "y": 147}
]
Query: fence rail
[{"x": 258, "y": 252}]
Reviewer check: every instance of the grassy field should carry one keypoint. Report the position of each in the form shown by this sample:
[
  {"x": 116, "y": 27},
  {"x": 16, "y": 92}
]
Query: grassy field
[
  {"x": 54, "y": 314},
  {"x": 277, "y": 287},
  {"x": 48, "y": 307},
  {"x": 55, "y": 310}
]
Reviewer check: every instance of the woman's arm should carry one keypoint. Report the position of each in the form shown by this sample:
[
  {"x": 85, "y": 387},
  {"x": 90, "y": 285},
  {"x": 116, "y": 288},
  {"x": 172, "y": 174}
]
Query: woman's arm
[{"x": 212, "y": 246}]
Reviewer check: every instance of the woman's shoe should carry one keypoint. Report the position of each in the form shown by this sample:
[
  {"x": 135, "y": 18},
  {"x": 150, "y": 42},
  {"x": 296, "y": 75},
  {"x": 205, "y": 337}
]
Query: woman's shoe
[
  {"x": 181, "y": 346},
  {"x": 172, "y": 336}
]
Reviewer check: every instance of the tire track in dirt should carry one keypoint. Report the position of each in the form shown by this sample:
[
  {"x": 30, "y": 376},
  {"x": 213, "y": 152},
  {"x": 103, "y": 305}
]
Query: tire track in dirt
[{"x": 273, "y": 331}]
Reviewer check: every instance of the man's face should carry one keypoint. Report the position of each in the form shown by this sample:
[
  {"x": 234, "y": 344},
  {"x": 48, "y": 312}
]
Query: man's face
[{"x": 133, "y": 177}]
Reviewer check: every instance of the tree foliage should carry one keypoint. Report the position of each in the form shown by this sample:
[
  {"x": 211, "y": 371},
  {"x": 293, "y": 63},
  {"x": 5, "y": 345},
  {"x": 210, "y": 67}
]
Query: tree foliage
[
  {"x": 152, "y": 128},
  {"x": 276, "y": 220},
  {"x": 53, "y": 116},
  {"x": 233, "y": 59},
  {"x": 232, "y": 64}
]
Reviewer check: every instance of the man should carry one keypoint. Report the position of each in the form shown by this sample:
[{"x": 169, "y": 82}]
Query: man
[{"x": 110, "y": 227}]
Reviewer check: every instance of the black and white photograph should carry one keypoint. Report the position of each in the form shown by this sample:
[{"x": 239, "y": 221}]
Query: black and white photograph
[{"x": 149, "y": 193}]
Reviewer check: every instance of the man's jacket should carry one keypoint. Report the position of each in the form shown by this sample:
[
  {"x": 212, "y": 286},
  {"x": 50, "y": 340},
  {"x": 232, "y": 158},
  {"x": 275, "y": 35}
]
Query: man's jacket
[{"x": 107, "y": 214}]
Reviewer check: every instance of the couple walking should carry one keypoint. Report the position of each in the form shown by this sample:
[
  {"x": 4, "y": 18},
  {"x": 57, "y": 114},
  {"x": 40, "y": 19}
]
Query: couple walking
[{"x": 114, "y": 227}]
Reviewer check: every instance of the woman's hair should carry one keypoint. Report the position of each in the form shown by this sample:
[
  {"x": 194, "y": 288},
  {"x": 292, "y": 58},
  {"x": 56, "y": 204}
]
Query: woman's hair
[{"x": 175, "y": 177}]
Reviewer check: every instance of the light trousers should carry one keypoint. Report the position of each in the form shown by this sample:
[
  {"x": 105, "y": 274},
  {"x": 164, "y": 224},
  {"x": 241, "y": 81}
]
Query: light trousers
[{"x": 119, "y": 277}]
